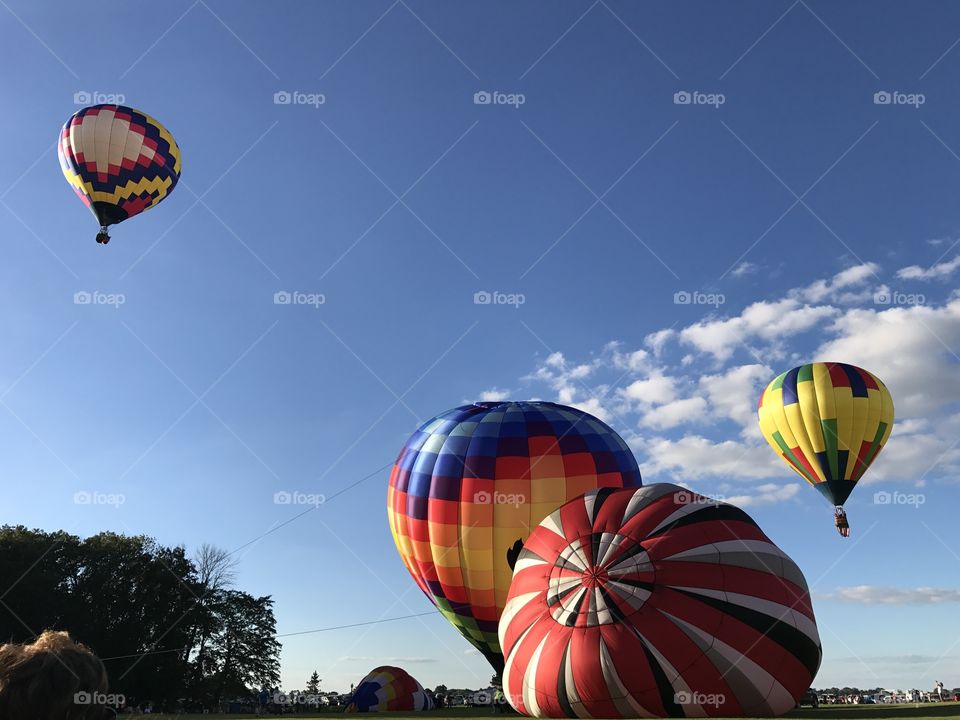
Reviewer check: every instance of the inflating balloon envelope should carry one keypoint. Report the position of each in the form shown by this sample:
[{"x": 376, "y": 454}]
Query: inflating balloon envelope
[
  {"x": 471, "y": 483},
  {"x": 655, "y": 602}
]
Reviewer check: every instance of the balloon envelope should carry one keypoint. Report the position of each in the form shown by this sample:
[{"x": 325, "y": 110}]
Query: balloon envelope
[
  {"x": 828, "y": 422},
  {"x": 471, "y": 483},
  {"x": 655, "y": 602},
  {"x": 388, "y": 688},
  {"x": 118, "y": 160}
]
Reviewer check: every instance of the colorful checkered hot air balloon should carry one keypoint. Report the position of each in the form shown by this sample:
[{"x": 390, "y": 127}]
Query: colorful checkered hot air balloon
[
  {"x": 471, "y": 483},
  {"x": 119, "y": 161},
  {"x": 828, "y": 422},
  {"x": 655, "y": 602},
  {"x": 388, "y": 688}
]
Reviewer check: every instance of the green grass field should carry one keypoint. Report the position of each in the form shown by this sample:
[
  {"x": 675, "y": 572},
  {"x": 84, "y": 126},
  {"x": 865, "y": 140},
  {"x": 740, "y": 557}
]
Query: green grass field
[{"x": 921, "y": 711}]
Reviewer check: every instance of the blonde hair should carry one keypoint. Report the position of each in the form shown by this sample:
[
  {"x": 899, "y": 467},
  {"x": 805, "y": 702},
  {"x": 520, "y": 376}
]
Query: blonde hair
[{"x": 40, "y": 680}]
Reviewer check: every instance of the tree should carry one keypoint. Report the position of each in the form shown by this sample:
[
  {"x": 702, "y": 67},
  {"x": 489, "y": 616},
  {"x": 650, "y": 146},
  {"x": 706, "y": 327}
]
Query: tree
[
  {"x": 166, "y": 626},
  {"x": 244, "y": 650},
  {"x": 313, "y": 684},
  {"x": 215, "y": 570}
]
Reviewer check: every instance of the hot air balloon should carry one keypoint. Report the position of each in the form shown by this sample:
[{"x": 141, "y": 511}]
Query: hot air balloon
[
  {"x": 471, "y": 483},
  {"x": 119, "y": 161},
  {"x": 828, "y": 422},
  {"x": 388, "y": 688},
  {"x": 655, "y": 602}
]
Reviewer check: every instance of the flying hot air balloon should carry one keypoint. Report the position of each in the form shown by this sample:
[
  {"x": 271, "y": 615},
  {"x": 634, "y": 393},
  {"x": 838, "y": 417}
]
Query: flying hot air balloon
[
  {"x": 119, "y": 161},
  {"x": 655, "y": 602},
  {"x": 828, "y": 421},
  {"x": 471, "y": 483}
]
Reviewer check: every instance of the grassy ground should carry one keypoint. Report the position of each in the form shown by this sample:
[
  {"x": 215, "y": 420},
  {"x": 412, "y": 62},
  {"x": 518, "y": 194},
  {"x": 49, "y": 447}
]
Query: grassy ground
[{"x": 922, "y": 711}]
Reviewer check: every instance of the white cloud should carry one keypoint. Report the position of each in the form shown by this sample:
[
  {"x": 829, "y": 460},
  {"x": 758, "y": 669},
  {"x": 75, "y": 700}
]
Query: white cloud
[
  {"x": 935, "y": 272},
  {"x": 632, "y": 361},
  {"x": 909, "y": 348},
  {"x": 657, "y": 340},
  {"x": 677, "y": 417},
  {"x": 734, "y": 393},
  {"x": 769, "y": 321},
  {"x": 678, "y": 412},
  {"x": 656, "y": 389},
  {"x": 743, "y": 269},
  {"x": 879, "y": 595},
  {"x": 821, "y": 290},
  {"x": 768, "y": 494},
  {"x": 494, "y": 395},
  {"x": 695, "y": 457}
]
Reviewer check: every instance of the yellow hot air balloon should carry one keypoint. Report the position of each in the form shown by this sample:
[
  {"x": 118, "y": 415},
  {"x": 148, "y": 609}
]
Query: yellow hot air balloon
[{"x": 828, "y": 422}]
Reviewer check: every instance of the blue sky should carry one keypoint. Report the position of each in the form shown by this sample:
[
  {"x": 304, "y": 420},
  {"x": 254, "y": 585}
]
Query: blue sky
[{"x": 812, "y": 221}]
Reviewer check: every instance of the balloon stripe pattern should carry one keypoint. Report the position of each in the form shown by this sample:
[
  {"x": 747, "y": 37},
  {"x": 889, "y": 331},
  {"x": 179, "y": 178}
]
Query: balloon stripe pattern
[
  {"x": 828, "y": 422},
  {"x": 471, "y": 483},
  {"x": 655, "y": 602},
  {"x": 118, "y": 160},
  {"x": 389, "y": 688}
]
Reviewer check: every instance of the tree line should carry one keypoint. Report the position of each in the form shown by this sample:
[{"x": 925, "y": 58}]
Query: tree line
[{"x": 171, "y": 629}]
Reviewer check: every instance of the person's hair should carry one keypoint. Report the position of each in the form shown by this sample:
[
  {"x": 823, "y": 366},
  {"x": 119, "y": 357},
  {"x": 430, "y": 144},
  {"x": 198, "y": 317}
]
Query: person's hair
[{"x": 52, "y": 678}]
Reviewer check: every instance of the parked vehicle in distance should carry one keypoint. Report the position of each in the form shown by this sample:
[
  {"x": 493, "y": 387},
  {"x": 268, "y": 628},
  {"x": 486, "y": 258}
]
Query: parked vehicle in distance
[{"x": 809, "y": 698}]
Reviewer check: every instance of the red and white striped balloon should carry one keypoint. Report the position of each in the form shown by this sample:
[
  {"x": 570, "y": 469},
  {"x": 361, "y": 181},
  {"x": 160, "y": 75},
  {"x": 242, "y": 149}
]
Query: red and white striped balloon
[{"x": 655, "y": 602}]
